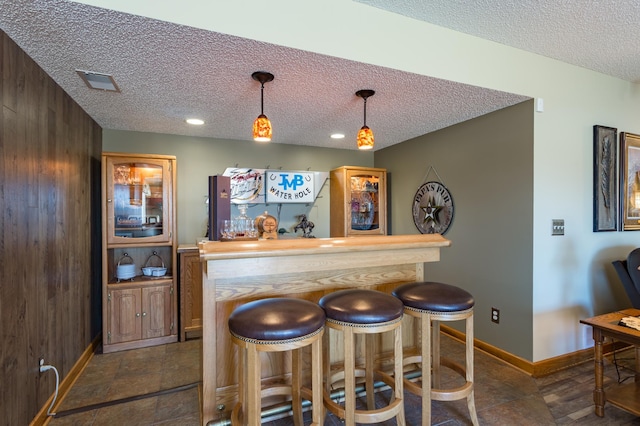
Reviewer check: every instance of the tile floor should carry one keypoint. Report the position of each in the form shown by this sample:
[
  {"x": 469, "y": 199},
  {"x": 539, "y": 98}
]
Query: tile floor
[{"x": 161, "y": 386}]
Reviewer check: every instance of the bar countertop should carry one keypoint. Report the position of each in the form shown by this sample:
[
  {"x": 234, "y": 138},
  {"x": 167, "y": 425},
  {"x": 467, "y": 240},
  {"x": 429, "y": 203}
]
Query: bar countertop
[{"x": 215, "y": 250}]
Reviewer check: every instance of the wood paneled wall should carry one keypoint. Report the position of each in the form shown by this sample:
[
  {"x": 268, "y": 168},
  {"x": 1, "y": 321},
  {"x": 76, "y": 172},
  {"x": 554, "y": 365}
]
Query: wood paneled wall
[{"x": 49, "y": 205}]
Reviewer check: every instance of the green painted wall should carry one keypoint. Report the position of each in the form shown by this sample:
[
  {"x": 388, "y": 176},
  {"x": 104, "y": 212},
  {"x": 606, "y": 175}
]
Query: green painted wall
[{"x": 487, "y": 165}]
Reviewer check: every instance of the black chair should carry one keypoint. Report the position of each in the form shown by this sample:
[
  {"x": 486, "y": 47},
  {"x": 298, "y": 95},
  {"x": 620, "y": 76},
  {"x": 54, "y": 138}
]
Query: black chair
[{"x": 629, "y": 273}]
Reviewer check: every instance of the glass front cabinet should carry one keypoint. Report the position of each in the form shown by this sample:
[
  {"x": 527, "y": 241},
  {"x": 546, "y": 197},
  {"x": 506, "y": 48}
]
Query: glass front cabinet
[
  {"x": 358, "y": 201},
  {"x": 139, "y": 263},
  {"x": 138, "y": 199}
]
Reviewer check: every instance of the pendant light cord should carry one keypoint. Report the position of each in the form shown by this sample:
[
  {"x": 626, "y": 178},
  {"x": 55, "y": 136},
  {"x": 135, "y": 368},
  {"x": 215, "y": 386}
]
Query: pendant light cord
[{"x": 365, "y": 111}]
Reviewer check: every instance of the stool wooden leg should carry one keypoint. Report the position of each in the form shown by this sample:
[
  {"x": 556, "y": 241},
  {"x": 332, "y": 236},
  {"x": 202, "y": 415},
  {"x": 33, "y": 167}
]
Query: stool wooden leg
[
  {"x": 369, "y": 355},
  {"x": 316, "y": 382},
  {"x": 349, "y": 379},
  {"x": 296, "y": 384},
  {"x": 397, "y": 373},
  {"x": 242, "y": 365},
  {"x": 469, "y": 349},
  {"x": 326, "y": 362},
  {"x": 237, "y": 412},
  {"x": 252, "y": 409},
  {"x": 425, "y": 325},
  {"x": 435, "y": 353}
]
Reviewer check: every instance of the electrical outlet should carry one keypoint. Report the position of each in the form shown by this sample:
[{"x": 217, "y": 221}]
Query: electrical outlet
[{"x": 495, "y": 315}]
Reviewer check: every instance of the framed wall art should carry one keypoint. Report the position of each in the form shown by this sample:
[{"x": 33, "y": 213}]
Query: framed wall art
[
  {"x": 605, "y": 184},
  {"x": 630, "y": 181}
]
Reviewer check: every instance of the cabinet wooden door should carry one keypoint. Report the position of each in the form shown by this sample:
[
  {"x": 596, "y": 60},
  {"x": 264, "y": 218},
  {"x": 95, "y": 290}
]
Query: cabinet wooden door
[
  {"x": 138, "y": 200},
  {"x": 156, "y": 312},
  {"x": 358, "y": 201},
  {"x": 139, "y": 313},
  {"x": 125, "y": 309}
]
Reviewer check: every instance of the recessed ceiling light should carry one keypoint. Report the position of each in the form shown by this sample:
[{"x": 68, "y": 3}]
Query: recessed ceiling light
[
  {"x": 99, "y": 81},
  {"x": 195, "y": 121},
  {"x": 337, "y": 136}
]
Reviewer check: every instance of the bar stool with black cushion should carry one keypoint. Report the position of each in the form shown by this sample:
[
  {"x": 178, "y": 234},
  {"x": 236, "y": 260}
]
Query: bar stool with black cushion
[
  {"x": 367, "y": 312},
  {"x": 277, "y": 325},
  {"x": 431, "y": 303}
]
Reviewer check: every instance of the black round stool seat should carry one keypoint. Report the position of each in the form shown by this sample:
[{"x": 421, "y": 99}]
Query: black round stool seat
[
  {"x": 277, "y": 318},
  {"x": 433, "y": 296},
  {"x": 360, "y": 306}
]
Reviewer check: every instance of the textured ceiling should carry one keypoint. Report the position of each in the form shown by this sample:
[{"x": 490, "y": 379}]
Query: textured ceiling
[
  {"x": 168, "y": 72},
  {"x": 600, "y": 35}
]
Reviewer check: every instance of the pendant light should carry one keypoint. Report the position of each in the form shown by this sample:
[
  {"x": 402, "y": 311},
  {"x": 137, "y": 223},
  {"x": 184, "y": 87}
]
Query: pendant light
[
  {"x": 365, "y": 135},
  {"x": 262, "y": 125}
]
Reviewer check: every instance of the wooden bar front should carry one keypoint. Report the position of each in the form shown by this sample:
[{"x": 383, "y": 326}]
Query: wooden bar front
[{"x": 238, "y": 272}]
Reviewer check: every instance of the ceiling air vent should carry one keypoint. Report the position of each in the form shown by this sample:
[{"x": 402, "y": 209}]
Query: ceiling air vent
[{"x": 98, "y": 81}]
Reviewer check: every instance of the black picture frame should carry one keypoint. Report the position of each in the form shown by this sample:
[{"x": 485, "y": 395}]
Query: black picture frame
[
  {"x": 629, "y": 181},
  {"x": 605, "y": 179}
]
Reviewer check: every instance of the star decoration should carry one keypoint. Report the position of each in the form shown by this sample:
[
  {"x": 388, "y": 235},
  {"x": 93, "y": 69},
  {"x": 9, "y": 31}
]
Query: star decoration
[{"x": 431, "y": 211}]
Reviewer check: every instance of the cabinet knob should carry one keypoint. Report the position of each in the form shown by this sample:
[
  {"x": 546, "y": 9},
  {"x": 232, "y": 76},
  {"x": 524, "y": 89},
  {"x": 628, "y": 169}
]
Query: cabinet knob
[
  {"x": 137, "y": 314},
  {"x": 108, "y": 201},
  {"x": 144, "y": 314}
]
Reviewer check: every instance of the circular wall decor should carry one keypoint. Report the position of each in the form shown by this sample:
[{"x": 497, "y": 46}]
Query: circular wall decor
[{"x": 432, "y": 208}]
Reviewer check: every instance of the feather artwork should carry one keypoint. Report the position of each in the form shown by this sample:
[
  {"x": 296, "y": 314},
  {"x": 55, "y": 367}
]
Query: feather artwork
[{"x": 605, "y": 166}]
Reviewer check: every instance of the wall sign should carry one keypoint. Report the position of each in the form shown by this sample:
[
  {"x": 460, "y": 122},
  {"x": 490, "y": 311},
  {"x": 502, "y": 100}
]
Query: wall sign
[
  {"x": 260, "y": 186},
  {"x": 247, "y": 185},
  {"x": 432, "y": 208},
  {"x": 290, "y": 187}
]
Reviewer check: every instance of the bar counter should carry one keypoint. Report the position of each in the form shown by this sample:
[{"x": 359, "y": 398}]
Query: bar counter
[{"x": 240, "y": 271}]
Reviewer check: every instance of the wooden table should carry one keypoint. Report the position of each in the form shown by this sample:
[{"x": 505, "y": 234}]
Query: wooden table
[
  {"x": 236, "y": 271},
  {"x": 626, "y": 396}
]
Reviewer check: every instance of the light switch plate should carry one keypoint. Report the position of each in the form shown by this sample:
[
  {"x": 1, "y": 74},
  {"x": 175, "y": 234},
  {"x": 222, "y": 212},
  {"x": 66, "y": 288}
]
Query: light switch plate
[{"x": 557, "y": 226}]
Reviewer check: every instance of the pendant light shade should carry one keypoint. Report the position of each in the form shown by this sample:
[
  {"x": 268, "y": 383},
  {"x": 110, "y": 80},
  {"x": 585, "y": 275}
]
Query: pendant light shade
[
  {"x": 262, "y": 129},
  {"x": 365, "y": 138},
  {"x": 262, "y": 125},
  {"x": 365, "y": 135}
]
